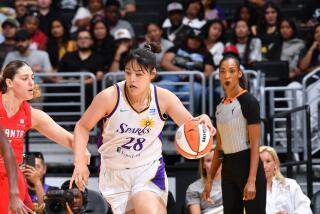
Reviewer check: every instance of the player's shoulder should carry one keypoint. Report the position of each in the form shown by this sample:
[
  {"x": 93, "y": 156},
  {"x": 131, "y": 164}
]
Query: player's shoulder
[{"x": 247, "y": 98}]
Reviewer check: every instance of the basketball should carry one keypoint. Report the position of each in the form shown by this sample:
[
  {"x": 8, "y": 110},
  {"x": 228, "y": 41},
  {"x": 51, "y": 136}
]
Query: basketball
[{"x": 193, "y": 141}]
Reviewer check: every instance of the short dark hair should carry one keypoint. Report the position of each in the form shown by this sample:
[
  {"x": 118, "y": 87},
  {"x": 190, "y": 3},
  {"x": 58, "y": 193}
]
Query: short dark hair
[
  {"x": 38, "y": 155},
  {"x": 115, "y": 3}
]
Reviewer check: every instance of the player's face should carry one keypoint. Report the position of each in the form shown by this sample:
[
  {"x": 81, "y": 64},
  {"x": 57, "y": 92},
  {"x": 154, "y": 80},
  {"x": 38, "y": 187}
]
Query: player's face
[
  {"x": 229, "y": 74},
  {"x": 137, "y": 78},
  {"x": 269, "y": 164},
  {"x": 22, "y": 84}
]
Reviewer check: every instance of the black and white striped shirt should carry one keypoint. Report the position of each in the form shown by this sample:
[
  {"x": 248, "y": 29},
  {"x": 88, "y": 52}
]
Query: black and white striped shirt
[{"x": 232, "y": 119}]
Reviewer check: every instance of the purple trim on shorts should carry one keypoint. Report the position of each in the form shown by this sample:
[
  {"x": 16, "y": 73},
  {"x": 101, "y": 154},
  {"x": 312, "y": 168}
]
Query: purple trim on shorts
[
  {"x": 118, "y": 99},
  {"x": 157, "y": 103},
  {"x": 160, "y": 177}
]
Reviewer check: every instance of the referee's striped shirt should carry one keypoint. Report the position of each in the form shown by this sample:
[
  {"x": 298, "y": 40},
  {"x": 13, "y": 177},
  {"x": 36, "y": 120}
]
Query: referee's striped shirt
[{"x": 232, "y": 119}]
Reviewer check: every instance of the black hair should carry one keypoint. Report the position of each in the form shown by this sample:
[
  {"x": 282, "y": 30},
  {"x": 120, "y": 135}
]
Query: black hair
[
  {"x": 201, "y": 12},
  {"x": 242, "y": 79},
  {"x": 112, "y": 3},
  {"x": 310, "y": 36},
  {"x": 253, "y": 13},
  {"x": 206, "y": 28},
  {"x": 234, "y": 41},
  {"x": 38, "y": 155},
  {"x": 275, "y": 52},
  {"x": 263, "y": 25},
  {"x": 152, "y": 23},
  {"x": 9, "y": 72},
  {"x": 83, "y": 30},
  {"x": 145, "y": 56}
]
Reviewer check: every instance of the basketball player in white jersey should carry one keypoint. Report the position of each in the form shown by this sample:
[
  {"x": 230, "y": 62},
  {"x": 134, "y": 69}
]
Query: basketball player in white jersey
[{"x": 133, "y": 112}]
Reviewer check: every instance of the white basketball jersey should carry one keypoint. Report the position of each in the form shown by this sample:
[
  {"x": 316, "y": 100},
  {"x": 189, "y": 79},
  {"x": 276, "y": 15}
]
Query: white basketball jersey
[{"x": 129, "y": 138}]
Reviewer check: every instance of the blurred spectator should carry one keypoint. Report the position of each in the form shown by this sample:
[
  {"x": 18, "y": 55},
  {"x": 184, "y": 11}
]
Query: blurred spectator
[
  {"x": 84, "y": 59},
  {"x": 193, "y": 16},
  {"x": 154, "y": 34},
  {"x": 38, "y": 39},
  {"x": 37, "y": 59},
  {"x": 213, "y": 33},
  {"x": 45, "y": 15},
  {"x": 21, "y": 10},
  {"x": 81, "y": 20},
  {"x": 124, "y": 43},
  {"x": 103, "y": 41},
  {"x": 95, "y": 7},
  {"x": 177, "y": 31},
  {"x": 213, "y": 11},
  {"x": 194, "y": 201},
  {"x": 35, "y": 176},
  {"x": 288, "y": 47},
  {"x": 66, "y": 9},
  {"x": 190, "y": 56},
  {"x": 59, "y": 42},
  {"x": 284, "y": 195},
  {"x": 311, "y": 13},
  {"x": 9, "y": 29},
  {"x": 113, "y": 17},
  {"x": 268, "y": 29},
  {"x": 248, "y": 46},
  {"x": 310, "y": 55},
  {"x": 127, "y": 6},
  {"x": 247, "y": 13}
]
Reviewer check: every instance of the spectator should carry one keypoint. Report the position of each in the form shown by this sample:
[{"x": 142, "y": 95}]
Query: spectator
[
  {"x": 213, "y": 33},
  {"x": 214, "y": 11},
  {"x": 284, "y": 195},
  {"x": 247, "y": 13},
  {"x": 21, "y": 10},
  {"x": 124, "y": 43},
  {"x": 66, "y": 9},
  {"x": 311, "y": 13},
  {"x": 288, "y": 47},
  {"x": 45, "y": 16},
  {"x": 95, "y": 7},
  {"x": 248, "y": 46},
  {"x": 127, "y": 6},
  {"x": 177, "y": 31},
  {"x": 194, "y": 201},
  {"x": 268, "y": 29},
  {"x": 38, "y": 39},
  {"x": 81, "y": 20},
  {"x": 154, "y": 34},
  {"x": 59, "y": 42},
  {"x": 9, "y": 29},
  {"x": 192, "y": 55},
  {"x": 194, "y": 14},
  {"x": 113, "y": 17},
  {"x": 38, "y": 60},
  {"x": 84, "y": 59},
  {"x": 35, "y": 176},
  {"x": 103, "y": 41}
]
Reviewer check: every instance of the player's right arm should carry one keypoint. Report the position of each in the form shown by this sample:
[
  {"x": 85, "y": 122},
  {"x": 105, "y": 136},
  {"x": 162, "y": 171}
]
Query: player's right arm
[
  {"x": 216, "y": 162},
  {"x": 102, "y": 104},
  {"x": 15, "y": 204}
]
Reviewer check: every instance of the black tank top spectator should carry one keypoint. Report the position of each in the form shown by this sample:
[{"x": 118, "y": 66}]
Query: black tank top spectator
[
  {"x": 59, "y": 42},
  {"x": 268, "y": 28},
  {"x": 103, "y": 41},
  {"x": 287, "y": 47}
]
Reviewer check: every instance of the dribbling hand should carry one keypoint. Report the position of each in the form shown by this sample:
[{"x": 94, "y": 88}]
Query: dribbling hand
[
  {"x": 80, "y": 176},
  {"x": 204, "y": 119},
  {"x": 206, "y": 191}
]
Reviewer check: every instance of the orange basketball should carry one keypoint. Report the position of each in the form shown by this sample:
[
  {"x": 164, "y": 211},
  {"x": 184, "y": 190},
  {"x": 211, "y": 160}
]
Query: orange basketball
[{"x": 193, "y": 141}]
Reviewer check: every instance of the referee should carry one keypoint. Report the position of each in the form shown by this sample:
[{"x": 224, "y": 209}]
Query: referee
[{"x": 238, "y": 141}]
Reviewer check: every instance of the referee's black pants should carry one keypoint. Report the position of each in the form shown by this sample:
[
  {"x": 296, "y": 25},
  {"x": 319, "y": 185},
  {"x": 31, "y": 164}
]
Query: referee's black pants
[{"x": 235, "y": 172}]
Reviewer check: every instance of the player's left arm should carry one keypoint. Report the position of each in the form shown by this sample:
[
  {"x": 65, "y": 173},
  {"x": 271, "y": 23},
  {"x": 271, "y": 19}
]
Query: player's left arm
[
  {"x": 44, "y": 124},
  {"x": 169, "y": 103}
]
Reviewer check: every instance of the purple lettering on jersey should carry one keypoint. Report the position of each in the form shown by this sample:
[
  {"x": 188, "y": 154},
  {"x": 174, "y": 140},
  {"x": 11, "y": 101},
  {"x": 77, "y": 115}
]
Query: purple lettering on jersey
[{"x": 124, "y": 128}]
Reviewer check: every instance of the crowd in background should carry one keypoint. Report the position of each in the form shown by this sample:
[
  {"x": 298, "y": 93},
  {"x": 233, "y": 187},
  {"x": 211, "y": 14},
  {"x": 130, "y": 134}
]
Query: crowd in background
[{"x": 94, "y": 36}]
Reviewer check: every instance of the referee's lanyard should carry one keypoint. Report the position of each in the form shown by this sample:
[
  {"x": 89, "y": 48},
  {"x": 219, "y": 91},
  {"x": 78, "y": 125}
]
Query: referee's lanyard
[{"x": 229, "y": 100}]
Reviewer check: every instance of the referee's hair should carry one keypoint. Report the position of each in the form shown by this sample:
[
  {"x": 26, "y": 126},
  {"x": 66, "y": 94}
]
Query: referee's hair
[{"x": 242, "y": 79}]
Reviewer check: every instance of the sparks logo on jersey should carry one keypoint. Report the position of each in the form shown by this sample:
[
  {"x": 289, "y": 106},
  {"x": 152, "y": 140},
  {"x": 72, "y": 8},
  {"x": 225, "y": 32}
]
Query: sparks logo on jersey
[
  {"x": 125, "y": 128},
  {"x": 147, "y": 122}
]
